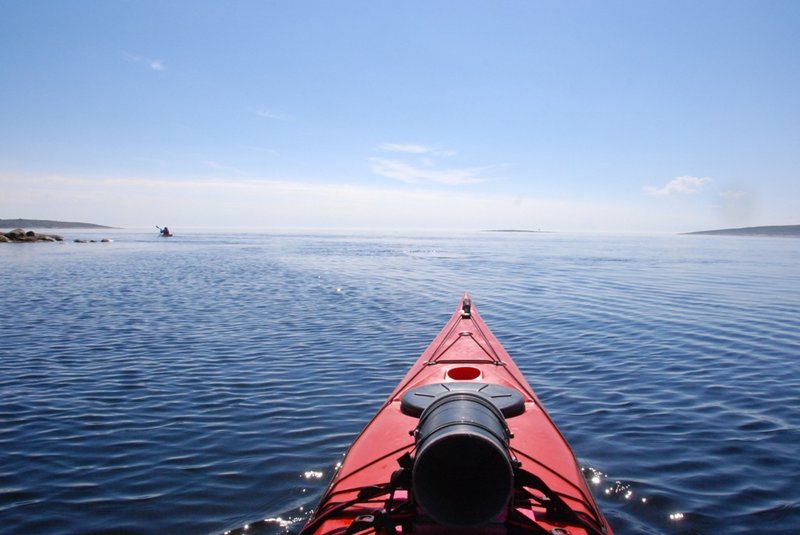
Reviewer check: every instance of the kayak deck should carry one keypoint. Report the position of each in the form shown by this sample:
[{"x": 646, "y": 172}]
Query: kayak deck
[{"x": 373, "y": 490}]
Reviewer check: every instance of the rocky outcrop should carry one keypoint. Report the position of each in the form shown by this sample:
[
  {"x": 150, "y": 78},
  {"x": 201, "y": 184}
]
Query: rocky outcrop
[{"x": 20, "y": 235}]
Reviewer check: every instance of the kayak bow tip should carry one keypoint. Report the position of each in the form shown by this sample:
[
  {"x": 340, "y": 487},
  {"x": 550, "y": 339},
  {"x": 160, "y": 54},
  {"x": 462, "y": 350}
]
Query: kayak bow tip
[{"x": 466, "y": 306}]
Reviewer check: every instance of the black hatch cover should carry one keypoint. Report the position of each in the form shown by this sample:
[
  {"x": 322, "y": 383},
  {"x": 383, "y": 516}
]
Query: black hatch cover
[{"x": 509, "y": 401}]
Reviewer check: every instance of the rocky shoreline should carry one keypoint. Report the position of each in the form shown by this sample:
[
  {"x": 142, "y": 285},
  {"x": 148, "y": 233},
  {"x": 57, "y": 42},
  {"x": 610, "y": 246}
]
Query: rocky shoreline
[{"x": 19, "y": 235}]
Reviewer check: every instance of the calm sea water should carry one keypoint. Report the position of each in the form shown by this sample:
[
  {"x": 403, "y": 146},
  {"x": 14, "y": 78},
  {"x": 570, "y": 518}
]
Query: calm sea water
[{"x": 206, "y": 381}]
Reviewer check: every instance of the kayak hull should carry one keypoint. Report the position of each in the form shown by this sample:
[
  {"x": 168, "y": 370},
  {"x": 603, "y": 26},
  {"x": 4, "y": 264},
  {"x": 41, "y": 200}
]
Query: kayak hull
[{"x": 465, "y": 367}]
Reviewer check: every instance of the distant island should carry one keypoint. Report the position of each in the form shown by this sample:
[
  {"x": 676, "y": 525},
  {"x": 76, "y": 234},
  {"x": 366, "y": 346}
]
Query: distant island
[
  {"x": 45, "y": 223},
  {"x": 512, "y": 230},
  {"x": 784, "y": 231}
]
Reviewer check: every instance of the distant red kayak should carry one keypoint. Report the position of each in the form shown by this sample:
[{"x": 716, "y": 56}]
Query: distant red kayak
[{"x": 462, "y": 445}]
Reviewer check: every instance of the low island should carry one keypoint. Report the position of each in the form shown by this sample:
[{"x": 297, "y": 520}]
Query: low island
[
  {"x": 45, "y": 223},
  {"x": 782, "y": 231},
  {"x": 513, "y": 230}
]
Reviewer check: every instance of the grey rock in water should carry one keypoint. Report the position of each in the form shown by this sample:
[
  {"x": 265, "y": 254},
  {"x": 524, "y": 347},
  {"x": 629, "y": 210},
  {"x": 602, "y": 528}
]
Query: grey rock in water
[{"x": 20, "y": 235}]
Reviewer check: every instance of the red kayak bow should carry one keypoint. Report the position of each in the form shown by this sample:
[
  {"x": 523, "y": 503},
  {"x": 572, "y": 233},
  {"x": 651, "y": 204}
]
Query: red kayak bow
[{"x": 462, "y": 445}]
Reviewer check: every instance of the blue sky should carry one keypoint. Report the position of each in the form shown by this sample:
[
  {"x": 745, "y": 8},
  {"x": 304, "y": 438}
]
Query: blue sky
[{"x": 641, "y": 116}]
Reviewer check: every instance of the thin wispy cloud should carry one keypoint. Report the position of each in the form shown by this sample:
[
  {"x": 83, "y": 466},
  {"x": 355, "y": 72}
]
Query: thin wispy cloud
[
  {"x": 412, "y": 148},
  {"x": 414, "y": 163},
  {"x": 678, "y": 185},
  {"x": 268, "y": 114},
  {"x": 414, "y": 174},
  {"x": 216, "y": 166},
  {"x": 152, "y": 64}
]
